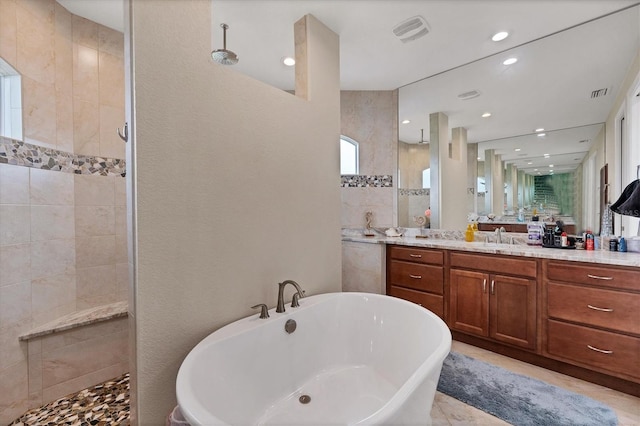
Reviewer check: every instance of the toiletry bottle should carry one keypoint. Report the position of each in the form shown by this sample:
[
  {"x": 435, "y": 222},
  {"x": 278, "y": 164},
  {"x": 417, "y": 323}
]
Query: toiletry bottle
[
  {"x": 613, "y": 244},
  {"x": 468, "y": 235},
  {"x": 588, "y": 245},
  {"x": 564, "y": 240},
  {"x": 622, "y": 245}
]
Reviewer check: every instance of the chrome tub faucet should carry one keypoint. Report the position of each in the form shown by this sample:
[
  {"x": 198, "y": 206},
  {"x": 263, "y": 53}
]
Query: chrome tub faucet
[{"x": 294, "y": 303}]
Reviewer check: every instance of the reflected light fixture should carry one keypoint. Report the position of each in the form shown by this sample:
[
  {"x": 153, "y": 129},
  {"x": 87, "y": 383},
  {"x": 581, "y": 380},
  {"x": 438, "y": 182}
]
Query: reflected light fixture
[
  {"x": 541, "y": 135},
  {"x": 406, "y": 121},
  {"x": 517, "y": 150},
  {"x": 510, "y": 61},
  {"x": 539, "y": 129},
  {"x": 288, "y": 61},
  {"x": 500, "y": 36},
  {"x": 486, "y": 114}
]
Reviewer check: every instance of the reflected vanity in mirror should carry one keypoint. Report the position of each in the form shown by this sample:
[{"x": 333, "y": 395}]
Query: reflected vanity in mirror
[{"x": 553, "y": 100}]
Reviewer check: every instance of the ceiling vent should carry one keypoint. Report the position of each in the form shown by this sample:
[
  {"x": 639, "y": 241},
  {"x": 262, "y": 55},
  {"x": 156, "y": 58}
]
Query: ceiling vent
[
  {"x": 468, "y": 95},
  {"x": 599, "y": 93},
  {"x": 411, "y": 29},
  {"x": 584, "y": 141}
]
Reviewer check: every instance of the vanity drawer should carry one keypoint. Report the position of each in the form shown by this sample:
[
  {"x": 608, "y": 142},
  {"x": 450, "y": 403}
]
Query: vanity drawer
[
  {"x": 432, "y": 302},
  {"x": 417, "y": 276},
  {"x": 584, "y": 273},
  {"x": 602, "y": 349},
  {"x": 491, "y": 263},
  {"x": 412, "y": 254},
  {"x": 615, "y": 310}
]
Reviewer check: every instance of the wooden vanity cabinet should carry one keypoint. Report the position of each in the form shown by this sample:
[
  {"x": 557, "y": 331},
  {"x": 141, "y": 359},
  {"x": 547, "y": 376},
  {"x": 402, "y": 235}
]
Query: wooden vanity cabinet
[
  {"x": 417, "y": 275},
  {"x": 494, "y": 297},
  {"x": 592, "y": 317}
]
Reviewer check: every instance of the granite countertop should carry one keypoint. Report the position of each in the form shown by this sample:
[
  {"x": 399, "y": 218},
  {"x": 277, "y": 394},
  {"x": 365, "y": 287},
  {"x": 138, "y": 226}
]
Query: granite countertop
[
  {"x": 450, "y": 240},
  {"x": 80, "y": 318}
]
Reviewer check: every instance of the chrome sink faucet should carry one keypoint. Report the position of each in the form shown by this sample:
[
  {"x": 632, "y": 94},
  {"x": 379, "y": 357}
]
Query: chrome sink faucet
[
  {"x": 299, "y": 293},
  {"x": 499, "y": 232}
]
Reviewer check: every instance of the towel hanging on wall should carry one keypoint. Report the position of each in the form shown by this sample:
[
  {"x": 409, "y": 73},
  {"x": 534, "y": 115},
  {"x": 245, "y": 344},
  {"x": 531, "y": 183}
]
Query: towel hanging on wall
[{"x": 629, "y": 202}]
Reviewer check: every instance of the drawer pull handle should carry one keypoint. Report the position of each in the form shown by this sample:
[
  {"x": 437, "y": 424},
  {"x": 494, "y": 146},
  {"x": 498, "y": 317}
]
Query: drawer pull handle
[
  {"x": 602, "y": 351},
  {"x": 493, "y": 286},
  {"x": 416, "y": 277},
  {"x": 598, "y": 277},
  {"x": 415, "y": 255},
  {"x": 595, "y": 308},
  {"x": 484, "y": 285}
]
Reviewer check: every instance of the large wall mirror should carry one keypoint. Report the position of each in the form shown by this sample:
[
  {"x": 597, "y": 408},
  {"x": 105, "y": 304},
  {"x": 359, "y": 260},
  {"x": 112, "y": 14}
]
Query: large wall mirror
[{"x": 543, "y": 115}]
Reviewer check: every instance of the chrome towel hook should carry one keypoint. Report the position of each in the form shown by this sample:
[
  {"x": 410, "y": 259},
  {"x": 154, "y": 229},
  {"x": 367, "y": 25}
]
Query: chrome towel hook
[{"x": 125, "y": 133}]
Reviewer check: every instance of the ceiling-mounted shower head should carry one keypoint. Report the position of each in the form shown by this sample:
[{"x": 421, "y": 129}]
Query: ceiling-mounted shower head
[{"x": 224, "y": 56}]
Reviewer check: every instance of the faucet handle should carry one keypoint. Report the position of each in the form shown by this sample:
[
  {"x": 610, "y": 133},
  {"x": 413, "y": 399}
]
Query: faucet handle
[
  {"x": 295, "y": 300},
  {"x": 264, "y": 310}
]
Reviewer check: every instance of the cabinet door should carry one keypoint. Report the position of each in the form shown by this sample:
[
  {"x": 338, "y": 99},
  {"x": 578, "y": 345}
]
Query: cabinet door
[
  {"x": 469, "y": 310},
  {"x": 512, "y": 307}
]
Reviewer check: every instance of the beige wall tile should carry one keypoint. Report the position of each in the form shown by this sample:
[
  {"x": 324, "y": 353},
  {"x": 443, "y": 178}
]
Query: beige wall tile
[
  {"x": 35, "y": 379},
  {"x": 85, "y": 32},
  {"x": 52, "y": 297},
  {"x": 122, "y": 281},
  {"x": 121, "y": 220},
  {"x": 15, "y": 264},
  {"x": 14, "y": 226},
  {"x": 62, "y": 21},
  {"x": 14, "y": 184},
  {"x": 111, "y": 118},
  {"x": 49, "y": 187},
  {"x": 35, "y": 46},
  {"x": 52, "y": 222},
  {"x": 82, "y": 358},
  {"x": 120, "y": 191},
  {"x": 85, "y": 74},
  {"x": 15, "y": 307},
  {"x": 39, "y": 112},
  {"x": 13, "y": 388},
  {"x": 95, "y": 251},
  {"x": 96, "y": 286},
  {"x": 363, "y": 267},
  {"x": 110, "y": 41},
  {"x": 86, "y": 127},
  {"x": 8, "y": 32},
  {"x": 111, "y": 71},
  {"x": 12, "y": 351},
  {"x": 81, "y": 334},
  {"x": 92, "y": 221},
  {"x": 64, "y": 91},
  {"x": 121, "y": 248},
  {"x": 94, "y": 190},
  {"x": 357, "y": 201},
  {"x": 52, "y": 257}
]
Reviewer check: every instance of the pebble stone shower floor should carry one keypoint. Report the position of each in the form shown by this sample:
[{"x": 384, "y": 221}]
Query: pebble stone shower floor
[{"x": 100, "y": 405}]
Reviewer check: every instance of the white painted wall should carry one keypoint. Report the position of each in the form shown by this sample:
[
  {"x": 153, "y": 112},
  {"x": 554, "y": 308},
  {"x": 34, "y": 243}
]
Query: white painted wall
[{"x": 236, "y": 185}]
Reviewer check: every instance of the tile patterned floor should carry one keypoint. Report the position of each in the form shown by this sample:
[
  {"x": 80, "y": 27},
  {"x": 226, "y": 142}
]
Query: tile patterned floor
[
  {"x": 100, "y": 405},
  {"x": 108, "y": 403}
]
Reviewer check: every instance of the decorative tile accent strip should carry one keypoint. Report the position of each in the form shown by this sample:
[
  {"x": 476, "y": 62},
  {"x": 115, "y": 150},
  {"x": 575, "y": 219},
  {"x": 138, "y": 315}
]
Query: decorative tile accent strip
[
  {"x": 411, "y": 192},
  {"x": 28, "y": 155},
  {"x": 362, "y": 181}
]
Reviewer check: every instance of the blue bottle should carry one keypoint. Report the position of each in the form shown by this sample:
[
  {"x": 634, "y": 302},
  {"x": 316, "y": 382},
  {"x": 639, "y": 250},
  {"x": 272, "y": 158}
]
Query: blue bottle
[{"x": 622, "y": 245}]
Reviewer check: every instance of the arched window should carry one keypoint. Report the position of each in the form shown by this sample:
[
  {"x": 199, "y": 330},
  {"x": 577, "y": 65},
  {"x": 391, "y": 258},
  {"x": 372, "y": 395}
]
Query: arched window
[{"x": 348, "y": 156}]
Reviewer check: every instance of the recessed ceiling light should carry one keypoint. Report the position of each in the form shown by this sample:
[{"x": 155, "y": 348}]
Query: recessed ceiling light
[
  {"x": 539, "y": 129},
  {"x": 479, "y": 158},
  {"x": 486, "y": 114},
  {"x": 289, "y": 61},
  {"x": 530, "y": 163},
  {"x": 535, "y": 170},
  {"x": 551, "y": 166},
  {"x": 406, "y": 121},
  {"x": 517, "y": 150},
  {"x": 500, "y": 36},
  {"x": 510, "y": 61},
  {"x": 541, "y": 135},
  {"x": 546, "y": 155}
]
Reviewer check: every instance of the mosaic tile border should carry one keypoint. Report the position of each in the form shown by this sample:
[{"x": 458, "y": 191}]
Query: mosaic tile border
[
  {"x": 20, "y": 153},
  {"x": 412, "y": 192},
  {"x": 366, "y": 181}
]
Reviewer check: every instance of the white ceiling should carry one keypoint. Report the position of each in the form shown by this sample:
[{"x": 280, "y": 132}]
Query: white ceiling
[{"x": 549, "y": 87}]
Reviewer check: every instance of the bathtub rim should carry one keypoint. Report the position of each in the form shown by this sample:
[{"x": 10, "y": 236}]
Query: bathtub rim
[{"x": 436, "y": 358}]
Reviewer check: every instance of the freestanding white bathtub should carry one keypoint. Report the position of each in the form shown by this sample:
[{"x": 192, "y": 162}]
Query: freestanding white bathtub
[{"x": 359, "y": 358}]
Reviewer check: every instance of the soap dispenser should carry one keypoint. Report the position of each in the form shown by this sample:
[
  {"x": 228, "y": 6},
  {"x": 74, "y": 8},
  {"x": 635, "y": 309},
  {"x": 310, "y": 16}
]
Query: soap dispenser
[{"x": 468, "y": 235}]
